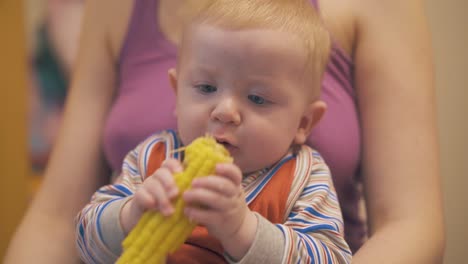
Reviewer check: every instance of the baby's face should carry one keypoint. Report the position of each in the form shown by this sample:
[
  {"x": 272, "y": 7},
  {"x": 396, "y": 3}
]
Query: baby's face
[{"x": 247, "y": 88}]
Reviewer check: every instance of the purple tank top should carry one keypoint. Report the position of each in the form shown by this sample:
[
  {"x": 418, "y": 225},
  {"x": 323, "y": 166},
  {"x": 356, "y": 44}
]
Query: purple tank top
[{"x": 145, "y": 103}]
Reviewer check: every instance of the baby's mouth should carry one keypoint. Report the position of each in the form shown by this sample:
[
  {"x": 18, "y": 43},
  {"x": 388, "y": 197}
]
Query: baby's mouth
[{"x": 226, "y": 144}]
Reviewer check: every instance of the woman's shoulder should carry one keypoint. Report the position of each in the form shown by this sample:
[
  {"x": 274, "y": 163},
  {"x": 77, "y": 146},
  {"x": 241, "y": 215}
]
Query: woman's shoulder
[
  {"x": 347, "y": 19},
  {"x": 340, "y": 19},
  {"x": 111, "y": 18}
]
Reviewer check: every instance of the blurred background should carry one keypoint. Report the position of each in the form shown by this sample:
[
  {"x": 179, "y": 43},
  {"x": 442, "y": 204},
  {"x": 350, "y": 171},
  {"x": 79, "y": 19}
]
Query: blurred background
[{"x": 38, "y": 47}]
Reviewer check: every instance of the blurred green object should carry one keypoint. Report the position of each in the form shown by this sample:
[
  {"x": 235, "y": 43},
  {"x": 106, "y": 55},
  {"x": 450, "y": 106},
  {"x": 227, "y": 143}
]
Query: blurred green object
[
  {"x": 51, "y": 78},
  {"x": 50, "y": 89}
]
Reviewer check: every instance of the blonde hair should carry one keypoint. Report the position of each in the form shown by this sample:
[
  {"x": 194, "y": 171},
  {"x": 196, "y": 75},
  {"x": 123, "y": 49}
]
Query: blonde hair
[{"x": 297, "y": 17}]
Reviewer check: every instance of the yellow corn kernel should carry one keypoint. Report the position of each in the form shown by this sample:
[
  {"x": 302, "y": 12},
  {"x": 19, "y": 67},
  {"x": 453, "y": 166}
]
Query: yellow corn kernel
[{"x": 156, "y": 236}]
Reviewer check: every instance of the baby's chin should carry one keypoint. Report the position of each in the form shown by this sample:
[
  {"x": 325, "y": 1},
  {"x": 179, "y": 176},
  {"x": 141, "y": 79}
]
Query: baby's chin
[{"x": 248, "y": 168}]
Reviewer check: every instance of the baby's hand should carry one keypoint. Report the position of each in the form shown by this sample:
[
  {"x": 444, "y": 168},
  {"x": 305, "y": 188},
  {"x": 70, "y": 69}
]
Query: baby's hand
[
  {"x": 156, "y": 193},
  {"x": 218, "y": 201}
]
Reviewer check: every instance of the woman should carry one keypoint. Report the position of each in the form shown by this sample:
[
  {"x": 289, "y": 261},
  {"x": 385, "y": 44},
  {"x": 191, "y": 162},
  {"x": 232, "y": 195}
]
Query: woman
[{"x": 380, "y": 129}]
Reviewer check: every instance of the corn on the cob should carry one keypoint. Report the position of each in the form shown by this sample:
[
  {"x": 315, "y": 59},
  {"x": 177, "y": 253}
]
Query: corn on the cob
[{"x": 156, "y": 236}]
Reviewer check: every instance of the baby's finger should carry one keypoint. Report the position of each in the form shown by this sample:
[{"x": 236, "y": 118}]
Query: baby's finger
[
  {"x": 200, "y": 215},
  {"x": 172, "y": 165},
  {"x": 217, "y": 184},
  {"x": 230, "y": 171},
  {"x": 205, "y": 199},
  {"x": 144, "y": 200},
  {"x": 166, "y": 178},
  {"x": 158, "y": 192}
]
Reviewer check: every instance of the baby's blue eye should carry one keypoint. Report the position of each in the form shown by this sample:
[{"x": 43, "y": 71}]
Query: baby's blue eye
[
  {"x": 257, "y": 99},
  {"x": 206, "y": 88}
]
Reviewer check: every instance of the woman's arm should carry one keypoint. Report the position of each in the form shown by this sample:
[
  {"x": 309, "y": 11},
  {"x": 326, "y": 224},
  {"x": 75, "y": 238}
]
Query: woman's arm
[
  {"x": 76, "y": 167},
  {"x": 63, "y": 21},
  {"x": 394, "y": 80}
]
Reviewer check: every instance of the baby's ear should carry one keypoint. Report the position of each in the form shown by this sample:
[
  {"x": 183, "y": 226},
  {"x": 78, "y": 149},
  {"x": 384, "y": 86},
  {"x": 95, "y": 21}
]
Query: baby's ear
[
  {"x": 173, "y": 79},
  {"x": 312, "y": 115}
]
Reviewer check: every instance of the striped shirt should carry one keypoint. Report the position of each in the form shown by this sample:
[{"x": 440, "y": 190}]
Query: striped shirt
[{"x": 311, "y": 230}]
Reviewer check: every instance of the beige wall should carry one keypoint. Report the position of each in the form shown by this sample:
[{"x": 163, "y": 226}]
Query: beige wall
[{"x": 450, "y": 39}]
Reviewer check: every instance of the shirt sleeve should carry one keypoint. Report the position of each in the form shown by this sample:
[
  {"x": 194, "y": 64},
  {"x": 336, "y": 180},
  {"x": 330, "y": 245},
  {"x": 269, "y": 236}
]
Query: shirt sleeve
[
  {"x": 98, "y": 231},
  {"x": 313, "y": 231}
]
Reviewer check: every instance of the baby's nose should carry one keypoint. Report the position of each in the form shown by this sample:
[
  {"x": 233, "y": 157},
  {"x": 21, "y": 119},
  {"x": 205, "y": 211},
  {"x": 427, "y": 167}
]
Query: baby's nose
[{"x": 227, "y": 111}]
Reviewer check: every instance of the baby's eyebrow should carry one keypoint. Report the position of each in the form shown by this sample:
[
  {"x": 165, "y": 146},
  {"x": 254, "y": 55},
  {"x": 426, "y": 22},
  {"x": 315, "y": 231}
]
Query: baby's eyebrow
[
  {"x": 194, "y": 72},
  {"x": 204, "y": 68}
]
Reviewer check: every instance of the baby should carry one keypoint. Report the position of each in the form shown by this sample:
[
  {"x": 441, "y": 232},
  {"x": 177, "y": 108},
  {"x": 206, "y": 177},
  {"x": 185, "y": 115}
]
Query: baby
[{"x": 249, "y": 74}]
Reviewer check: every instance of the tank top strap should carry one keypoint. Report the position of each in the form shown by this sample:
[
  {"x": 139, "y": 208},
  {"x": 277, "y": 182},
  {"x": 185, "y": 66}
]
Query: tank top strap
[
  {"x": 142, "y": 11},
  {"x": 144, "y": 37},
  {"x": 315, "y": 4}
]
